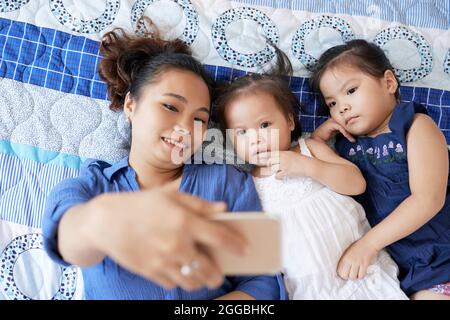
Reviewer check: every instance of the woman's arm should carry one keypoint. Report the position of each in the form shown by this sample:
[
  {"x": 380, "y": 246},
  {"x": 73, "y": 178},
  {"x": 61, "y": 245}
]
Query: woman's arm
[
  {"x": 151, "y": 233},
  {"x": 77, "y": 233},
  {"x": 428, "y": 173}
]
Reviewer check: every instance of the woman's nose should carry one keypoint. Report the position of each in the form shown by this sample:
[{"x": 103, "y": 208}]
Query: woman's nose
[{"x": 181, "y": 130}]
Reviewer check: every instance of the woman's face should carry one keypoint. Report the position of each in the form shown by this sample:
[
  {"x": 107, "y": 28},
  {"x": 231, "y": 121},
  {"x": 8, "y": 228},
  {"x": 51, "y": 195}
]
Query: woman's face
[
  {"x": 170, "y": 118},
  {"x": 258, "y": 126}
]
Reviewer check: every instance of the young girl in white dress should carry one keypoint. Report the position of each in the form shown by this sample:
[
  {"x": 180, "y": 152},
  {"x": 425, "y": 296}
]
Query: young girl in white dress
[{"x": 306, "y": 185}]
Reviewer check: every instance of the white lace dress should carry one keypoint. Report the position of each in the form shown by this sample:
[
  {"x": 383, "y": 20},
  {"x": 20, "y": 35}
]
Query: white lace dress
[{"x": 318, "y": 224}]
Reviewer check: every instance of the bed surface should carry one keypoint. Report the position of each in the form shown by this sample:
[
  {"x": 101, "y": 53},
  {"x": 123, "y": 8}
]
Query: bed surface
[{"x": 54, "y": 108}]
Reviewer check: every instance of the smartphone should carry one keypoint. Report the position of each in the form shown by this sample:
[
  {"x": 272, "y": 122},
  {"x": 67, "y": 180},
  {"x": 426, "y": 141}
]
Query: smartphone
[{"x": 264, "y": 236}]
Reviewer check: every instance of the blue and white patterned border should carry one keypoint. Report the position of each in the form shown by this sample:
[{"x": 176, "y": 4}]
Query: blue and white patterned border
[
  {"x": 425, "y": 14},
  {"x": 10, "y": 256}
]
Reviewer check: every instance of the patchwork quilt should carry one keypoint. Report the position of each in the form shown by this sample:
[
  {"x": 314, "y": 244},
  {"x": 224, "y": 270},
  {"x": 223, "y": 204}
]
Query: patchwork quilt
[{"x": 54, "y": 107}]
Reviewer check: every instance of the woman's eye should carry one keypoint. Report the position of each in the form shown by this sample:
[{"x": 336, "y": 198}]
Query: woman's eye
[
  {"x": 331, "y": 104},
  {"x": 170, "y": 107},
  {"x": 264, "y": 125},
  {"x": 352, "y": 90}
]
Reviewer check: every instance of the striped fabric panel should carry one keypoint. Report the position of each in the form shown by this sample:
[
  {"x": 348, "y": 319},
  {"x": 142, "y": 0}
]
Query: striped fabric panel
[
  {"x": 24, "y": 186},
  {"x": 424, "y": 13}
]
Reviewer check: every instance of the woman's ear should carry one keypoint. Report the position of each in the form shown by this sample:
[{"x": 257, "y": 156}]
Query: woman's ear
[
  {"x": 128, "y": 107},
  {"x": 291, "y": 122},
  {"x": 391, "y": 81}
]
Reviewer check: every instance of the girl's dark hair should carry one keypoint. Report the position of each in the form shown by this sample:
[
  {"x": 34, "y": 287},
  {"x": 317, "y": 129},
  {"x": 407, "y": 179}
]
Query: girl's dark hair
[
  {"x": 274, "y": 82},
  {"x": 365, "y": 56},
  {"x": 131, "y": 61}
]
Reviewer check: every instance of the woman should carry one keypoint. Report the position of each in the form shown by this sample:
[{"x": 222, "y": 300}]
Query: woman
[{"x": 125, "y": 223}]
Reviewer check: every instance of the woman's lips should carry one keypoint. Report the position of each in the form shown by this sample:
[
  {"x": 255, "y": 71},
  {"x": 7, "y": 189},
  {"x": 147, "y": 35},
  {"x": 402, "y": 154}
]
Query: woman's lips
[{"x": 172, "y": 143}]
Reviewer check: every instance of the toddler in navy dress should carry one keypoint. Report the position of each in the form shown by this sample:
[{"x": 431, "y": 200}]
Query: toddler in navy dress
[{"x": 404, "y": 158}]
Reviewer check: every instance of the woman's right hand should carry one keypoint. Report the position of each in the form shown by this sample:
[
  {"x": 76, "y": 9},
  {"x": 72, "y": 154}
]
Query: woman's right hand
[
  {"x": 329, "y": 129},
  {"x": 153, "y": 233}
]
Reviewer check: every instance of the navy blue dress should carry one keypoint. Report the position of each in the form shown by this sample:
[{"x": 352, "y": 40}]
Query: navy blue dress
[{"x": 423, "y": 257}]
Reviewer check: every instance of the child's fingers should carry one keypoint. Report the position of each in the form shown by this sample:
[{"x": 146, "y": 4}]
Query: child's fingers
[
  {"x": 273, "y": 161},
  {"x": 263, "y": 162},
  {"x": 354, "y": 270},
  {"x": 362, "y": 272},
  {"x": 280, "y": 174},
  {"x": 332, "y": 129},
  {"x": 349, "y": 137},
  {"x": 264, "y": 158},
  {"x": 346, "y": 134},
  {"x": 343, "y": 270},
  {"x": 266, "y": 154},
  {"x": 275, "y": 168}
]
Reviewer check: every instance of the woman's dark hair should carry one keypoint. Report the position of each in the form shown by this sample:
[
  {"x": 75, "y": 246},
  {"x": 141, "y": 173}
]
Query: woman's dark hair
[
  {"x": 274, "y": 82},
  {"x": 130, "y": 62},
  {"x": 363, "y": 55}
]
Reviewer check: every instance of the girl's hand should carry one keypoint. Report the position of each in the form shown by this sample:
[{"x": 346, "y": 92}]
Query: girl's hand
[
  {"x": 154, "y": 233},
  {"x": 329, "y": 129},
  {"x": 356, "y": 259},
  {"x": 286, "y": 163}
]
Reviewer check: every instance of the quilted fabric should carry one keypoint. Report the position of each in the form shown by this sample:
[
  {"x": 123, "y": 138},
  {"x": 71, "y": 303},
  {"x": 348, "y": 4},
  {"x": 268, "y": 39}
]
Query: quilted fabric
[{"x": 54, "y": 108}]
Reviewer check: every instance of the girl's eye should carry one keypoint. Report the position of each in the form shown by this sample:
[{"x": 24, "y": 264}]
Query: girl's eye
[
  {"x": 264, "y": 125},
  {"x": 352, "y": 90},
  {"x": 331, "y": 104},
  {"x": 241, "y": 132},
  {"x": 170, "y": 107}
]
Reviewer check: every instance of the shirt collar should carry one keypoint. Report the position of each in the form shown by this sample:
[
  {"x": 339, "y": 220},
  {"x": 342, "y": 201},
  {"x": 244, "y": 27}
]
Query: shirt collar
[{"x": 109, "y": 172}]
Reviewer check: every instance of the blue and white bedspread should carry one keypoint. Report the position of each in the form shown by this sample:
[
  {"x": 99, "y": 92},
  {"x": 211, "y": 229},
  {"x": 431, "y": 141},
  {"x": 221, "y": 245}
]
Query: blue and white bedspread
[{"x": 54, "y": 109}]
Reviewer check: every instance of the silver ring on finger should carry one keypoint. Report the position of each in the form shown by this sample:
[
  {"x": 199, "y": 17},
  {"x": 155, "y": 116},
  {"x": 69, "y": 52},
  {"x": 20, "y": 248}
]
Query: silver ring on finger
[{"x": 188, "y": 269}]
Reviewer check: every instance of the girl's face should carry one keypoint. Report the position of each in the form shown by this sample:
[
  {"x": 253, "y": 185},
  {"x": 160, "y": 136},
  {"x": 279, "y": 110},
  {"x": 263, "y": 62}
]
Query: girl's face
[
  {"x": 170, "y": 118},
  {"x": 258, "y": 125},
  {"x": 361, "y": 103}
]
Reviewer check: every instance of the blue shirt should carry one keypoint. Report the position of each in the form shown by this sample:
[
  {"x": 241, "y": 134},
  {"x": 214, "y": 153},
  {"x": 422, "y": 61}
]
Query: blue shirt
[
  {"x": 107, "y": 279},
  {"x": 423, "y": 256}
]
